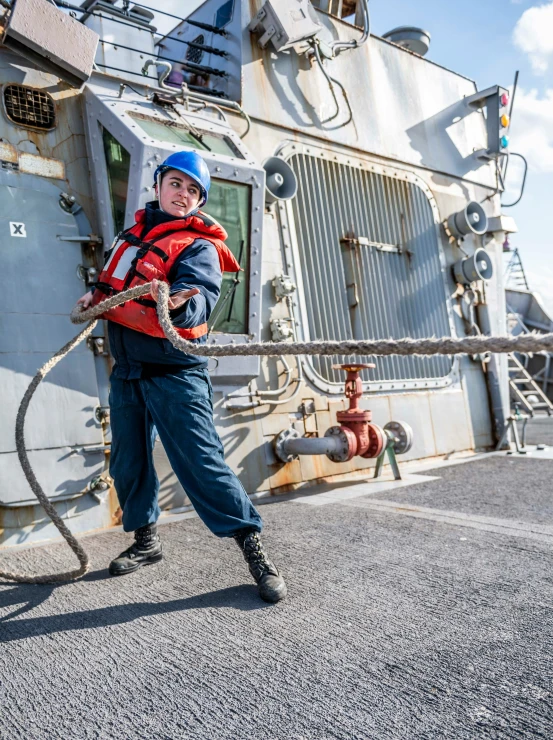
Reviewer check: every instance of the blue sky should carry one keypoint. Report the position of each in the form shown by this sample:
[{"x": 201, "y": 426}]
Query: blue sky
[{"x": 488, "y": 40}]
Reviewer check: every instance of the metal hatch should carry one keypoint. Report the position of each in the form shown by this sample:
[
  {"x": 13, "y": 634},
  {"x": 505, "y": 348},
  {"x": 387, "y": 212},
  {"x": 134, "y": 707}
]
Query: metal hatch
[
  {"x": 368, "y": 258},
  {"x": 40, "y": 254}
]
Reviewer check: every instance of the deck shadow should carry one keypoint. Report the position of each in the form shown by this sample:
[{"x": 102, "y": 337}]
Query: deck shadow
[{"x": 243, "y": 597}]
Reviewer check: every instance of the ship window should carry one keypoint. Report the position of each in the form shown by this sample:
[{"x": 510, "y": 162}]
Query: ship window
[
  {"x": 224, "y": 14},
  {"x": 340, "y": 8},
  {"x": 174, "y": 133},
  {"x": 118, "y": 164},
  {"x": 229, "y": 204},
  {"x": 194, "y": 54},
  {"x": 28, "y": 106},
  {"x": 385, "y": 282}
]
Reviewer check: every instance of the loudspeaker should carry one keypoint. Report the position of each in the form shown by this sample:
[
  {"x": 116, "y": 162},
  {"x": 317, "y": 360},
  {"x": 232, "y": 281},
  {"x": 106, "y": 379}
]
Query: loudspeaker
[
  {"x": 477, "y": 267},
  {"x": 281, "y": 182},
  {"x": 470, "y": 220}
]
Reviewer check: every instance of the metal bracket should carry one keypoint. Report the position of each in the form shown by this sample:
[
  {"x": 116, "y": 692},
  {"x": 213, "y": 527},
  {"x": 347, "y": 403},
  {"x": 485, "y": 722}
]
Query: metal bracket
[
  {"x": 388, "y": 450},
  {"x": 363, "y": 241},
  {"x": 82, "y": 239},
  {"x": 87, "y": 274},
  {"x": 102, "y": 414},
  {"x": 282, "y": 329},
  {"x": 97, "y": 345},
  {"x": 512, "y": 425}
]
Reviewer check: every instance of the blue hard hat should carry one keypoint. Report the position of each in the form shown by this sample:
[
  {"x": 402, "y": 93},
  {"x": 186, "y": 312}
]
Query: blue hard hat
[{"x": 191, "y": 164}]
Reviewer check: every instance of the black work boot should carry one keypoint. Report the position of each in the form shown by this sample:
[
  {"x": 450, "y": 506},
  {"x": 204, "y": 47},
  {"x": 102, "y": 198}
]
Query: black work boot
[
  {"x": 270, "y": 583},
  {"x": 145, "y": 550}
]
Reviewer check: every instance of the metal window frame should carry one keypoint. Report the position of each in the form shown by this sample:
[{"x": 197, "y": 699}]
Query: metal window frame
[
  {"x": 104, "y": 106},
  {"x": 289, "y": 235},
  {"x": 140, "y": 116},
  {"x": 28, "y": 125}
]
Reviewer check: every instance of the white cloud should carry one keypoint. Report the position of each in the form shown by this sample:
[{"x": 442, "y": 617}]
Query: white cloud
[
  {"x": 533, "y": 35},
  {"x": 531, "y": 133}
]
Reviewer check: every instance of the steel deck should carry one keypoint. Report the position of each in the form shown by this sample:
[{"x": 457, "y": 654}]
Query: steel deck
[{"x": 419, "y": 611}]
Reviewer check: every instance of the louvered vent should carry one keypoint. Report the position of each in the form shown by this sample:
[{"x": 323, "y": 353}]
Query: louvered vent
[
  {"x": 27, "y": 106},
  {"x": 193, "y": 54},
  {"x": 388, "y": 285}
]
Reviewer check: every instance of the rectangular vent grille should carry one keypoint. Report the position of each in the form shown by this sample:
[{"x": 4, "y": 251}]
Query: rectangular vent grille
[
  {"x": 27, "y": 106},
  {"x": 369, "y": 290}
]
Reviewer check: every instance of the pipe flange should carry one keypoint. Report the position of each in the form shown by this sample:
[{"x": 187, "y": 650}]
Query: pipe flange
[
  {"x": 401, "y": 436},
  {"x": 279, "y": 442},
  {"x": 347, "y": 447},
  {"x": 377, "y": 441}
]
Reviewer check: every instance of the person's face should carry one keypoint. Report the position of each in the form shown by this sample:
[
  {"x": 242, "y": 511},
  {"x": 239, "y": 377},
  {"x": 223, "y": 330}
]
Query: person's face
[{"x": 179, "y": 193}]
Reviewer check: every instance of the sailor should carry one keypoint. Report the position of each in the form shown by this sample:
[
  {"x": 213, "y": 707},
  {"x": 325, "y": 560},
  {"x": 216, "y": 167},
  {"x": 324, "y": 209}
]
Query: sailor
[{"x": 156, "y": 388}]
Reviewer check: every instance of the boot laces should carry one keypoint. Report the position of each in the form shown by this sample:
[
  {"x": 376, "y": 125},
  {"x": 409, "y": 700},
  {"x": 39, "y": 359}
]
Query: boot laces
[
  {"x": 256, "y": 557},
  {"x": 145, "y": 537}
]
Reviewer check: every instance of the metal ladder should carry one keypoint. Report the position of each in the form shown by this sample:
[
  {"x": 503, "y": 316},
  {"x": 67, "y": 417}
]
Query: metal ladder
[
  {"x": 515, "y": 277},
  {"x": 522, "y": 385}
]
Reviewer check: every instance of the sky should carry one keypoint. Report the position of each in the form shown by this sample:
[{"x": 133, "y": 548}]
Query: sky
[{"x": 488, "y": 40}]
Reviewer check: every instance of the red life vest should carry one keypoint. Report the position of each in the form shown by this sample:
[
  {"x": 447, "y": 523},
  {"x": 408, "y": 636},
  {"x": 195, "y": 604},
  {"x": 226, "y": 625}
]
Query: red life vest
[{"x": 136, "y": 261}]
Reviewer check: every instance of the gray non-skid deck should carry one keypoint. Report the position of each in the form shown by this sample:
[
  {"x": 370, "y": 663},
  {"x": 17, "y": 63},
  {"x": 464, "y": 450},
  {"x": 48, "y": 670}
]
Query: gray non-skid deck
[{"x": 418, "y": 612}]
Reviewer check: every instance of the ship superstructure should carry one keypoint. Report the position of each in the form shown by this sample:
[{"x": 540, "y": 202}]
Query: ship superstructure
[{"x": 359, "y": 184}]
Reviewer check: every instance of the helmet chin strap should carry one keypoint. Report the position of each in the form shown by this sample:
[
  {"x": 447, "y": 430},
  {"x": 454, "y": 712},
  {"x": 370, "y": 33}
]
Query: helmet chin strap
[{"x": 191, "y": 213}]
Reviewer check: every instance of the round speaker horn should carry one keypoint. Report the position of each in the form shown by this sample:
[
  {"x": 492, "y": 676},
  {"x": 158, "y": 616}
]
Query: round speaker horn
[
  {"x": 281, "y": 182},
  {"x": 471, "y": 220},
  {"x": 477, "y": 267}
]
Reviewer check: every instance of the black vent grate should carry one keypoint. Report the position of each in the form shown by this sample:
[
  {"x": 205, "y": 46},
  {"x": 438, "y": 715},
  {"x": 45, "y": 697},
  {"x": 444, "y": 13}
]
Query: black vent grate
[
  {"x": 194, "y": 54},
  {"x": 27, "y": 106}
]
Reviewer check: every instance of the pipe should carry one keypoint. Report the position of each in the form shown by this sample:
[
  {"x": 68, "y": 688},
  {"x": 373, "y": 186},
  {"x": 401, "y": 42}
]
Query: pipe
[
  {"x": 259, "y": 401},
  {"x": 297, "y": 380},
  {"x": 201, "y": 106},
  {"x": 221, "y": 103},
  {"x": 258, "y": 396},
  {"x": 493, "y": 379},
  {"x": 163, "y": 76},
  {"x": 274, "y": 392},
  {"x": 312, "y": 445},
  {"x": 523, "y": 184},
  {"x": 338, "y": 46}
]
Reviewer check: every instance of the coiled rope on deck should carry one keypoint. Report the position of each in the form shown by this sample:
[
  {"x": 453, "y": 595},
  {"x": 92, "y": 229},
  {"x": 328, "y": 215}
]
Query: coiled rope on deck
[{"x": 525, "y": 343}]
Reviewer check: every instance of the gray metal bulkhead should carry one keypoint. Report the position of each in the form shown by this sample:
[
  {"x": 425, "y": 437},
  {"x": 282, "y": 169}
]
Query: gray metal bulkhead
[{"x": 39, "y": 283}]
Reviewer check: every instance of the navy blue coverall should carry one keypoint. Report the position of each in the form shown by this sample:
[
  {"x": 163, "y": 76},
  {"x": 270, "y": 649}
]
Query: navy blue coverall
[{"x": 153, "y": 387}]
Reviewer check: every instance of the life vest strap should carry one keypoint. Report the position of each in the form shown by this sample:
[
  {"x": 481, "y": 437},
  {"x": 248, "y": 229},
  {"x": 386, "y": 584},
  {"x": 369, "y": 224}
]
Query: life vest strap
[
  {"x": 144, "y": 248},
  {"x": 105, "y": 288},
  {"x": 146, "y": 302}
]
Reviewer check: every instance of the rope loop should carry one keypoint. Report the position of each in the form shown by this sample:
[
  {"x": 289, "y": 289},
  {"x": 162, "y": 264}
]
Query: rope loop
[{"x": 524, "y": 343}]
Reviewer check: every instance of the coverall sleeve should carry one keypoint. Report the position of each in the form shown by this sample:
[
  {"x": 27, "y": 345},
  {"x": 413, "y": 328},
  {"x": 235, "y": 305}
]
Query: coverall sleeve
[{"x": 197, "y": 267}]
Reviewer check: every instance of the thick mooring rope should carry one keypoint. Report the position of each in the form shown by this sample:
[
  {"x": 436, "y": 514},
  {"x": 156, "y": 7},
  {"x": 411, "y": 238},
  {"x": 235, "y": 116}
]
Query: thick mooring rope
[
  {"x": 524, "y": 343},
  {"x": 46, "y": 504}
]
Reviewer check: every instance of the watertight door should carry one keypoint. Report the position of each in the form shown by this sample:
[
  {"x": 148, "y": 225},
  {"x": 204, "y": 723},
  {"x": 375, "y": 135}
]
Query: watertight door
[{"x": 40, "y": 285}]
